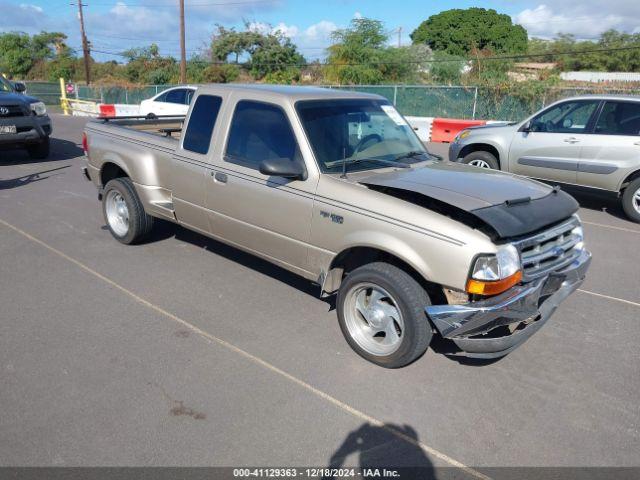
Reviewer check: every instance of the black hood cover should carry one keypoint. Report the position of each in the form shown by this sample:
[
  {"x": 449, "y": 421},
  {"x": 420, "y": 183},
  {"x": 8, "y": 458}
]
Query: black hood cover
[
  {"x": 511, "y": 206},
  {"x": 516, "y": 219}
]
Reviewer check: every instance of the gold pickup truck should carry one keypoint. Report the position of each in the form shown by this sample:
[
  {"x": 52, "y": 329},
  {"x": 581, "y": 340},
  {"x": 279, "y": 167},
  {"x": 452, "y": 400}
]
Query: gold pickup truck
[{"x": 336, "y": 187}]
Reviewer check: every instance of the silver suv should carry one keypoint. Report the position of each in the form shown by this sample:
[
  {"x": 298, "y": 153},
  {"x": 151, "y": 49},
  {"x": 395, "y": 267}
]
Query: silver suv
[{"x": 591, "y": 141}]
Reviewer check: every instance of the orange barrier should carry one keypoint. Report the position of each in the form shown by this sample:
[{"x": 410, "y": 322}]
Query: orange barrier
[{"x": 445, "y": 129}]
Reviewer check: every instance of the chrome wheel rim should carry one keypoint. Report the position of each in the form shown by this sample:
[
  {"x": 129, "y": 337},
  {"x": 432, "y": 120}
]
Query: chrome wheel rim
[
  {"x": 479, "y": 164},
  {"x": 373, "y": 319},
  {"x": 117, "y": 213},
  {"x": 636, "y": 200}
]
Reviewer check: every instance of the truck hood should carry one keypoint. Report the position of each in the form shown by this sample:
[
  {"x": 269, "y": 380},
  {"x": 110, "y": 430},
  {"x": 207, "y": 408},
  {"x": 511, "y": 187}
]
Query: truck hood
[
  {"x": 510, "y": 205},
  {"x": 12, "y": 98}
]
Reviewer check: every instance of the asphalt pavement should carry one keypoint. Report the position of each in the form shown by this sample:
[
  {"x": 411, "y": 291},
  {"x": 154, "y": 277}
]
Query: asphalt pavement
[{"x": 184, "y": 351}]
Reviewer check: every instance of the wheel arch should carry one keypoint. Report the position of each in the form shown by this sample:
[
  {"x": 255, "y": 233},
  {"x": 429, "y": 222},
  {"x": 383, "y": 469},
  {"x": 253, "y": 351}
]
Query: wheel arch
[
  {"x": 356, "y": 256},
  {"x": 481, "y": 147},
  {"x": 110, "y": 170},
  {"x": 629, "y": 178}
]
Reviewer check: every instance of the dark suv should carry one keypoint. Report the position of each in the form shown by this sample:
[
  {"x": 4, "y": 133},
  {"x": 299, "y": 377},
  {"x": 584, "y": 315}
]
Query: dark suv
[{"x": 24, "y": 122}]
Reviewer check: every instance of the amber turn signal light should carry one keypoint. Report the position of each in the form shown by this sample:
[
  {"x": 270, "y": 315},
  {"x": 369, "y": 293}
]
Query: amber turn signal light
[{"x": 479, "y": 287}]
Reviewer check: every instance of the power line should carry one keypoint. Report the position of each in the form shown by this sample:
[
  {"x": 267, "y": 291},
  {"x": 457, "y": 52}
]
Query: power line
[
  {"x": 168, "y": 5},
  {"x": 435, "y": 60}
]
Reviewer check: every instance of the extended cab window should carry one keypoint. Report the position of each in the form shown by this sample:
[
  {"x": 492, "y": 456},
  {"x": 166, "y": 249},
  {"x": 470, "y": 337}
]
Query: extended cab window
[
  {"x": 568, "y": 117},
  {"x": 260, "y": 131},
  {"x": 619, "y": 118},
  {"x": 201, "y": 123}
]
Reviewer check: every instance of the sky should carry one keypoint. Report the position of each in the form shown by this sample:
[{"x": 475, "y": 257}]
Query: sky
[{"x": 116, "y": 25}]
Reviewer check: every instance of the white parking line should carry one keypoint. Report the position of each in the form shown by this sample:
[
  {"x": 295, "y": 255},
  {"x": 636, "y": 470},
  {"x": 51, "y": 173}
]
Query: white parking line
[
  {"x": 612, "y": 227},
  {"x": 615, "y": 299},
  {"x": 263, "y": 363}
]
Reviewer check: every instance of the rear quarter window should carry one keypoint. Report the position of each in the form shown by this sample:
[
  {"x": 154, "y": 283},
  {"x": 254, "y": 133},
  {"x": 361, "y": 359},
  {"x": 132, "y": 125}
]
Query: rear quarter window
[{"x": 197, "y": 137}]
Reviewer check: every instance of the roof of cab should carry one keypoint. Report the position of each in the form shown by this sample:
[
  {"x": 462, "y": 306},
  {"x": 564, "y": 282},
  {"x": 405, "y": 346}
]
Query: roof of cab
[{"x": 290, "y": 92}]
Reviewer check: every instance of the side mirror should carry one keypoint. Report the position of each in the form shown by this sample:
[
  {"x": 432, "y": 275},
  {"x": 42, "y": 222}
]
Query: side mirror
[
  {"x": 526, "y": 128},
  {"x": 283, "y": 167},
  {"x": 19, "y": 87}
]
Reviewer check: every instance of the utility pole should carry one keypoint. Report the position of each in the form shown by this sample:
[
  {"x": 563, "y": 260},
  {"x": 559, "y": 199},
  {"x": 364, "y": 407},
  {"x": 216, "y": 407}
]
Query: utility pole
[
  {"x": 85, "y": 44},
  {"x": 183, "y": 53},
  {"x": 399, "y": 37}
]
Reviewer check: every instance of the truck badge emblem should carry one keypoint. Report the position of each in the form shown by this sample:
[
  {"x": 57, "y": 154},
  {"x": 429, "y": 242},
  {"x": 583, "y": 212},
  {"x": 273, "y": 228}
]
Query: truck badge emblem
[{"x": 4, "y": 111}]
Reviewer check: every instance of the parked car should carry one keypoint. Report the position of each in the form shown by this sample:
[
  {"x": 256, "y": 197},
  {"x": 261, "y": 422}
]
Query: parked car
[
  {"x": 173, "y": 101},
  {"x": 592, "y": 141},
  {"x": 24, "y": 122},
  {"x": 336, "y": 187}
]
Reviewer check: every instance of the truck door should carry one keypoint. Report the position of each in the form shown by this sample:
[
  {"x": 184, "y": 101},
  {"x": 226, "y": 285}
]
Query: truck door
[
  {"x": 612, "y": 151},
  {"x": 191, "y": 162},
  {"x": 550, "y": 148},
  {"x": 266, "y": 215}
]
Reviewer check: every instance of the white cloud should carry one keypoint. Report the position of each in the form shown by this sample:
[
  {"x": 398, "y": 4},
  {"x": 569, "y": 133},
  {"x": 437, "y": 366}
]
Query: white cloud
[
  {"x": 311, "y": 41},
  {"x": 24, "y": 17},
  {"x": 357, "y": 15},
  {"x": 584, "y": 19}
]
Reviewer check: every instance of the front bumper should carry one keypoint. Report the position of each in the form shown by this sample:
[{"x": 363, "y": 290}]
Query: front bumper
[
  {"x": 30, "y": 129},
  {"x": 493, "y": 327},
  {"x": 454, "y": 151}
]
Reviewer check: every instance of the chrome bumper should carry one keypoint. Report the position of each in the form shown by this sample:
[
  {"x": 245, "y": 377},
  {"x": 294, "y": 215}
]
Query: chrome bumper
[{"x": 494, "y": 327}]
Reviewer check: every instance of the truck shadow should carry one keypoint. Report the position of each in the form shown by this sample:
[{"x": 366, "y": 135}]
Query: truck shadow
[
  {"x": 385, "y": 446},
  {"x": 167, "y": 229},
  {"x": 60, "y": 150}
]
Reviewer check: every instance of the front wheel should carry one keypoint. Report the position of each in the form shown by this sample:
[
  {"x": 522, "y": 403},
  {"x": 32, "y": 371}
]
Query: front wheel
[
  {"x": 631, "y": 200},
  {"x": 124, "y": 213},
  {"x": 482, "y": 159},
  {"x": 381, "y": 314}
]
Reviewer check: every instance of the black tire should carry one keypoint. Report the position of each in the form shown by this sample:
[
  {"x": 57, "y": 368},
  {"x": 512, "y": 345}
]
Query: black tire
[
  {"x": 481, "y": 155},
  {"x": 629, "y": 202},
  {"x": 411, "y": 300},
  {"x": 39, "y": 151},
  {"x": 140, "y": 223}
]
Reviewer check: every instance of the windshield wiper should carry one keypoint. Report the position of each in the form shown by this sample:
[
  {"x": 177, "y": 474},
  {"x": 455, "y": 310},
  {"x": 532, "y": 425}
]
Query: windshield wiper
[
  {"x": 411, "y": 154},
  {"x": 353, "y": 161}
]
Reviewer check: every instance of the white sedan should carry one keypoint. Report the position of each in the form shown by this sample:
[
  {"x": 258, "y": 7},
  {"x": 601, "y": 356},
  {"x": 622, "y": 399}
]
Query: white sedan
[{"x": 174, "y": 101}]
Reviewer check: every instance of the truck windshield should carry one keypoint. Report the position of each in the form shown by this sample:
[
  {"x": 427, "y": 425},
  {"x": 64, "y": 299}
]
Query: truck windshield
[
  {"x": 358, "y": 134},
  {"x": 5, "y": 86}
]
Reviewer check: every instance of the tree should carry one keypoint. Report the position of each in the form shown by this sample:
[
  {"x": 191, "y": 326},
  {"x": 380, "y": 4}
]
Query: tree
[
  {"x": 146, "y": 65},
  {"x": 459, "y": 31},
  {"x": 268, "y": 52},
  {"x": 613, "y": 52},
  {"x": 19, "y": 52},
  {"x": 360, "y": 55}
]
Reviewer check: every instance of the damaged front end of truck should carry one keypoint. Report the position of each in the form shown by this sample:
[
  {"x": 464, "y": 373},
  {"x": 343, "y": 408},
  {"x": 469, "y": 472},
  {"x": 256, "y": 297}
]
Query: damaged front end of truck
[{"x": 535, "y": 222}]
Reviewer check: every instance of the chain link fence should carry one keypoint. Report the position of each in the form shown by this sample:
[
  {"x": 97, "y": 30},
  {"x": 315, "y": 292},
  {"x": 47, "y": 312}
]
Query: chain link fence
[{"x": 411, "y": 100}]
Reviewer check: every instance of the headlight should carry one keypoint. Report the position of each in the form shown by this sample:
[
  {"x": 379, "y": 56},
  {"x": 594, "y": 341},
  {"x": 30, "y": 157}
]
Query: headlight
[
  {"x": 39, "y": 109},
  {"x": 493, "y": 274},
  {"x": 463, "y": 134}
]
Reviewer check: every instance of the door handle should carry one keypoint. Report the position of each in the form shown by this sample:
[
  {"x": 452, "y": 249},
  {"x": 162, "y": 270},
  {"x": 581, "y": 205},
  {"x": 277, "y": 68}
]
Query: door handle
[
  {"x": 219, "y": 177},
  {"x": 571, "y": 140},
  {"x": 637, "y": 143}
]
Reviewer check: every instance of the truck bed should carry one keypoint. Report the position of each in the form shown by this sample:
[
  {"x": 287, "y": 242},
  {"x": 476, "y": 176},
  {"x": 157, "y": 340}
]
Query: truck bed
[{"x": 169, "y": 129}]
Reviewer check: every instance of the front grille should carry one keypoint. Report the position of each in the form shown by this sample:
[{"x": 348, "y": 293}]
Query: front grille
[
  {"x": 550, "y": 250},
  {"x": 12, "y": 111}
]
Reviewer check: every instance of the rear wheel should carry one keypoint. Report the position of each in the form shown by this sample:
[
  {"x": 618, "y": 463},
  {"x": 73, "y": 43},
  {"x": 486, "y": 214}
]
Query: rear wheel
[
  {"x": 631, "y": 200},
  {"x": 481, "y": 159},
  {"x": 39, "y": 151},
  {"x": 381, "y": 314},
  {"x": 124, "y": 213}
]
